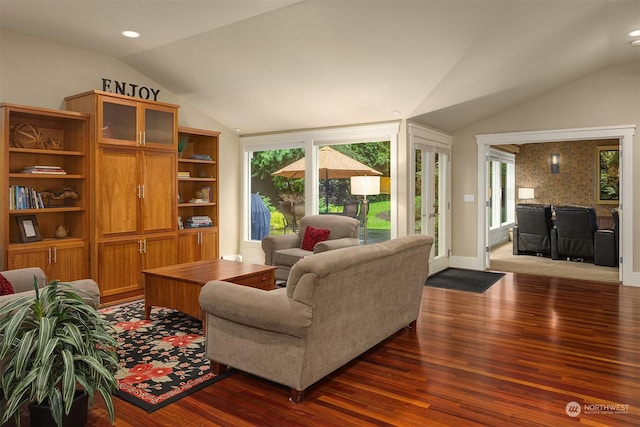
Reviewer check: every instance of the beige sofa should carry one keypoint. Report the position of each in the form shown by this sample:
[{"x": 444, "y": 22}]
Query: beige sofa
[
  {"x": 336, "y": 305},
  {"x": 22, "y": 282},
  {"x": 284, "y": 250}
]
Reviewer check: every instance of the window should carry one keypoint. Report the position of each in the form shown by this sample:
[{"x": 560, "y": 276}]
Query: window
[
  {"x": 279, "y": 191},
  {"x": 336, "y": 165}
]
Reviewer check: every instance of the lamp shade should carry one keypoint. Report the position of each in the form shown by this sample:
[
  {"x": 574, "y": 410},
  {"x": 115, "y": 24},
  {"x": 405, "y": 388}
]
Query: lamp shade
[
  {"x": 365, "y": 185},
  {"x": 525, "y": 193}
]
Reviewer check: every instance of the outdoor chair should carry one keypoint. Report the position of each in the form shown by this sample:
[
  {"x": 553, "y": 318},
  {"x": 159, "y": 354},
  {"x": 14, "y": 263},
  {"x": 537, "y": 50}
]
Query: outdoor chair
[
  {"x": 349, "y": 208},
  {"x": 292, "y": 212}
]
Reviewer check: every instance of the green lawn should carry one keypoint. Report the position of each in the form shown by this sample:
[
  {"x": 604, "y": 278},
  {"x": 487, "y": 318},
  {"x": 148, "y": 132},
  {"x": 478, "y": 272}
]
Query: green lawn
[{"x": 379, "y": 215}]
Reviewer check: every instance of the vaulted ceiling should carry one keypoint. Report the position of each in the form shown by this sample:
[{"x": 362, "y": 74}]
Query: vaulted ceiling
[{"x": 264, "y": 65}]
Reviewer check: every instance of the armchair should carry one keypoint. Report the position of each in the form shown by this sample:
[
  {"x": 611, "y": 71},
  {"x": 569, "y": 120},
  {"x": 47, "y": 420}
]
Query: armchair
[
  {"x": 283, "y": 251},
  {"x": 532, "y": 233},
  {"x": 607, "y": 243},
  {"x": 573, "y": 235}
]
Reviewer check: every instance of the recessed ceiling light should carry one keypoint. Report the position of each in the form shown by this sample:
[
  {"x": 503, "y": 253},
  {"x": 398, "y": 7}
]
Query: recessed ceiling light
[
  {"x": 396, "y": 112},
  {"x": 237, "y": 130},
  {"x": 635, "y": 43},
  {"x": 635, "y": 33},
  {"x": 131, "y": 34}
]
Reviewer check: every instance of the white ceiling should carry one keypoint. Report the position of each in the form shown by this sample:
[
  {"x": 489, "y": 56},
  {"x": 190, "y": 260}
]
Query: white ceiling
[{"x": 266, "y": 65}]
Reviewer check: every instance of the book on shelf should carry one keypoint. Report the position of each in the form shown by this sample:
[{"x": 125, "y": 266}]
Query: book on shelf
[
  {"x": 198, "y": 221},
  {"x": 186, "y": 174},
  {"x": 44, "y": 169},
  {"x": 207, "y": 194},
  {"x": 24, "y": 198}
]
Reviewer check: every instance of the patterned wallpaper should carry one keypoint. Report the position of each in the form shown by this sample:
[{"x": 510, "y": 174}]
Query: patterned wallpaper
[{"x": 576, "y": 182}]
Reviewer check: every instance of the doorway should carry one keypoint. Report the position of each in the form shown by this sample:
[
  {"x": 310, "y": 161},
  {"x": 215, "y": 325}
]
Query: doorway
[
  {"x": 431, "y": 160},
  {"x": 623, "y": 133}
]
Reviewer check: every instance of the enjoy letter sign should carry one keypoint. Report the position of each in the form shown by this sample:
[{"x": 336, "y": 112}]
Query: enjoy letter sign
[{"x": 129, "y": 89}]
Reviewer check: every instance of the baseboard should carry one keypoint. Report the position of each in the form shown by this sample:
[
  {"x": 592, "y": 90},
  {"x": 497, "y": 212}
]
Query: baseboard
[{"x": 468, "y": 263}]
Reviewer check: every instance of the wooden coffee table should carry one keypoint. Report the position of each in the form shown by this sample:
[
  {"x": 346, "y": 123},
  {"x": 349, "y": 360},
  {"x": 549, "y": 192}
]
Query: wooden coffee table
[{"x": 178, "y": 286}]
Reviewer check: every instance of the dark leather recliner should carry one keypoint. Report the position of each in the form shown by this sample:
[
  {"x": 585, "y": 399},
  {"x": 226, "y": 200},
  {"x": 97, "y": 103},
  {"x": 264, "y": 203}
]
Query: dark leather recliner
[
  {"x": 531, "y": 234},
  {"x": 607, "y": 243},
  {"x": 573, "y": 234}
]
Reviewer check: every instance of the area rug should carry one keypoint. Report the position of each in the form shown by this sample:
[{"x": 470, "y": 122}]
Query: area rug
[
  {"x": 464, "y": 280},
  {"x": 161, "y": 359}
]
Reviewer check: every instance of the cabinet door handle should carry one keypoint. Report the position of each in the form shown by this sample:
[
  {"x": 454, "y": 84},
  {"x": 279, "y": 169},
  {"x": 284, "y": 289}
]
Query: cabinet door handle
[
  {"x": 144, "y": 242},
  {"x": 144, "y": 138},
  {"x": 199, "y": 238},
  {"x": 139, "y": 246},
  {"x": 142, "y": 192},
  {"x": 49, "y": 257},
  {"x": 55, "y": 255}
]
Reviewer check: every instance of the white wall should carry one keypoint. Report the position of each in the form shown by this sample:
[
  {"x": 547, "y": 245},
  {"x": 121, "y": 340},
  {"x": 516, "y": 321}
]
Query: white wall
[
  {"x": 606, "y": 98},
  {"x": 40, "y": 73}
]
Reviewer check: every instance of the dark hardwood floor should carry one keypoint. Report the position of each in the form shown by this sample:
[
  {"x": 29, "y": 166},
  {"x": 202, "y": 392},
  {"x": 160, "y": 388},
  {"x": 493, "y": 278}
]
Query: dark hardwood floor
[{"x": 516, "y": 355}]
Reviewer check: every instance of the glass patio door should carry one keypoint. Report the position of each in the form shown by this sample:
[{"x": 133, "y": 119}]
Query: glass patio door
[{"x": 432, "y": 205}]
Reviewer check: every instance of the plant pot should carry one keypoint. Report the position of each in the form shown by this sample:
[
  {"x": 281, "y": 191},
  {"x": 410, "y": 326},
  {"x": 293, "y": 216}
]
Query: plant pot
[{"x": 40, "y": 415}]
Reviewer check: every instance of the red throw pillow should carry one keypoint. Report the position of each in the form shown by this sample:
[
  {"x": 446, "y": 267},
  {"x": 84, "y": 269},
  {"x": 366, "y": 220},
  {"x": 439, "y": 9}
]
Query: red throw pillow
[
  {"x": 5, "y": 286},
  {"x": 313, "y": 235}
]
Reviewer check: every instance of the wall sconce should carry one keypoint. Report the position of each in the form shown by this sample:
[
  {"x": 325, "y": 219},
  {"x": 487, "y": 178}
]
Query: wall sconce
[
  {"x": 525, "y": 193},
  {"x": 555, "y": 163}
]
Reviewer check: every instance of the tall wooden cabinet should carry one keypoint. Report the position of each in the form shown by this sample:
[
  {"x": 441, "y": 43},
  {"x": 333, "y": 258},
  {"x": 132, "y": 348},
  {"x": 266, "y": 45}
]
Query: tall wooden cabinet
[
  {"x": 198, "y": 195},
  {"x": 44, "y": 188},
  {"x": 133, "y": 219}
]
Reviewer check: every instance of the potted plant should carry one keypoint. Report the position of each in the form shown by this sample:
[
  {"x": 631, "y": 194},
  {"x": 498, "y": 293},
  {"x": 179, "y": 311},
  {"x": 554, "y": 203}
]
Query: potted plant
[
  {"x": 54, "y": 348},
  {"x": 183, "y": 140}
]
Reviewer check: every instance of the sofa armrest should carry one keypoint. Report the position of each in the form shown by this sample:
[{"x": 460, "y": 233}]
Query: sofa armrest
[
  {"x": 88, "y": 290},
  {"x": 270, "y": 244},
  {"x": 329, "y": 245},
  {"x": 269, "y": 310},
  {"x": 21, "y": 279},
  {"x": 516, "y": 240}
]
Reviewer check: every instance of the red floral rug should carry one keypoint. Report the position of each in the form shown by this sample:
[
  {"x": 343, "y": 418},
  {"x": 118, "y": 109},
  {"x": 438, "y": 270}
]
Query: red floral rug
[{"x": 161, "y": 359}]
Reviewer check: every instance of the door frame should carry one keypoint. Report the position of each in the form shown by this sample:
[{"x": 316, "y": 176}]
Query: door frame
[{"x": 623, "y": 133}]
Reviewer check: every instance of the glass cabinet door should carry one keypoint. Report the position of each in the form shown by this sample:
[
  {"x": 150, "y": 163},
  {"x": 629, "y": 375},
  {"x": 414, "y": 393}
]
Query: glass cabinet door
[
  {"x": 159, "y": 127},
  {"x": 119, "y": 123}
]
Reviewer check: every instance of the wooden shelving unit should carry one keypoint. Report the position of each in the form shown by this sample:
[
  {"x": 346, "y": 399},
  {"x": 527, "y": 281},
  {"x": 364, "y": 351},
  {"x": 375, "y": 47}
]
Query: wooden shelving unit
[
  {"x": 200, "y": 161},
  {"x": 54, "y": 138}
]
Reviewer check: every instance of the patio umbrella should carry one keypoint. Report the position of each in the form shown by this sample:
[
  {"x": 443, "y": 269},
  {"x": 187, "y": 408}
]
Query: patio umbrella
[{"x": 332, "y": 164}]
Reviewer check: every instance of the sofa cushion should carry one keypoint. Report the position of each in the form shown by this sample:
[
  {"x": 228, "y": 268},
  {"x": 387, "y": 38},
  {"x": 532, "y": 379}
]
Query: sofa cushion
[
  {"x": 289, "y": 256},
  {"x": 313, "y": 236},
  {"x": 5, "y": 286}
]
